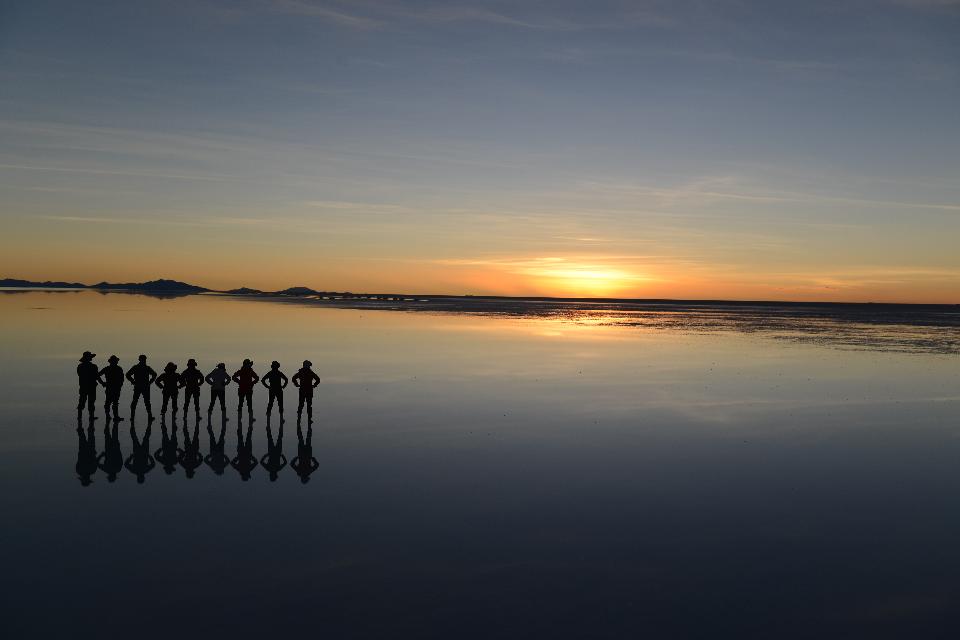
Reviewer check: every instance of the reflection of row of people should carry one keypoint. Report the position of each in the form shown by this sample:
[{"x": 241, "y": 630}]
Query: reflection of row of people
[
  {"x": 141, "y": 461},
  {"x": 143, "y": 378}
]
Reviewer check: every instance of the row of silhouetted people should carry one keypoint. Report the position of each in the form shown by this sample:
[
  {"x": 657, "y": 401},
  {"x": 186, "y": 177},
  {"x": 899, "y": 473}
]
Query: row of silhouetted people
[
  {"x": 143, "y": 378},
  {"x": 171, "y": 454}
]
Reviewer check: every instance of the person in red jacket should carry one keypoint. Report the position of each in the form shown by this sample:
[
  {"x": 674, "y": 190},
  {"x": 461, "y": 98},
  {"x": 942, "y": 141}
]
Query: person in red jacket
[{"x": 246, "y": 378}]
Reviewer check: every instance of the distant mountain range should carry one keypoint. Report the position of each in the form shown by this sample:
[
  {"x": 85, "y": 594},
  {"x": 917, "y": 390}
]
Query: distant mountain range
[{"x": 159, "y": 287}]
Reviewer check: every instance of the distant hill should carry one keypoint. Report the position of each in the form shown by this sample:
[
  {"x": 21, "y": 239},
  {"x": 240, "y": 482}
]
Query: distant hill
[
  {"x": 244, "y": 291},
  {"x": 153, "y": 286},
  {"x": 28, "y": 284},
  {"x": 298, "y": 291}
]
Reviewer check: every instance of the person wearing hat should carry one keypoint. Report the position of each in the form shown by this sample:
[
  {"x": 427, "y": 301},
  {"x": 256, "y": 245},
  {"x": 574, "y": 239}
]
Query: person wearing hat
[
  {"x": 275, "y": 382},
  {"x": 141, "y": 376},
  {"x": 171, "y": 383},
  {"x": 246, "y": 379},
  {"x": 87, "y": 373},
  {"x": 305, "y": 379},
  {"x": 192, "y": 381},
  {"x": 218, "y": 379},
  {"x": 111, "y": 377}
]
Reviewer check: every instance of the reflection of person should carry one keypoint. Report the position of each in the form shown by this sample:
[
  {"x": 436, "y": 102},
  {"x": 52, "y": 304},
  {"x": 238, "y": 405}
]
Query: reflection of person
[
  {"x": 111, "y": 460},
  {"x": 86, "y": 453},
  {"x": 192, "y": 381},
  {"x": 87, "y": 373},
  {"x": 218, "y": 379},
  {"x": 245, "y": 461},
  {"x": 171, "y": 383},
  {"x": 306, "y": 380},
  {"x": 191, "y": 458},
  {"x": 217, "y": 459},
  {"x": 276, "y": 382},
  {"x": 246, "y": 378},
  {"x": 274, "y": 460},
  {"x": 169, "y": 453},
  {"x": 141, "y": 376},
  {"x": 140, "y": 462},
  {"x": 304, "y": 464},
  {"x": 111, "y": 377}
]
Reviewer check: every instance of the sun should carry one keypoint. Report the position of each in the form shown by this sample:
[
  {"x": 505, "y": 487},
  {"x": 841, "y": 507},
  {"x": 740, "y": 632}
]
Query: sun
[{"x": 586, "y": 280}]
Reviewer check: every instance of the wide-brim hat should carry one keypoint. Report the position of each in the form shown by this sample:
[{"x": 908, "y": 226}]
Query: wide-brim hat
[
  {"x": 87, "y": 356},
  {"x": 170, "y": 367},
  {"x": 191, "y": 362},
  {"x": 113, "y": 359}
]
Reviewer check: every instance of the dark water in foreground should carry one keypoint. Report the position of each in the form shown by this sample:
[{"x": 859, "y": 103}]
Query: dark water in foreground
[{"x": 520, "y": 476}]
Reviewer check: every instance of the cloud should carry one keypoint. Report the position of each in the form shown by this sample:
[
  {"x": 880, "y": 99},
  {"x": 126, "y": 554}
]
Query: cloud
[{"x": 316, "y": 10}]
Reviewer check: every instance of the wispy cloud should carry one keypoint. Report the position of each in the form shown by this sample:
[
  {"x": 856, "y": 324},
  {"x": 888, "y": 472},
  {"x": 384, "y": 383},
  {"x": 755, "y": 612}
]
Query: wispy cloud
[{"x": 325, "y": 12}]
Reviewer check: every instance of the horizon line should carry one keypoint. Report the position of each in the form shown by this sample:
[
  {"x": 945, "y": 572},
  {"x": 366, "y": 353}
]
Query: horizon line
[{"x": 118, "y": 287}]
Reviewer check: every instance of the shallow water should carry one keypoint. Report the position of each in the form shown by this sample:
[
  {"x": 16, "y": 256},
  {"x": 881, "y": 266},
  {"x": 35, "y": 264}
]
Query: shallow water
[{"x": 518, "y": 476}]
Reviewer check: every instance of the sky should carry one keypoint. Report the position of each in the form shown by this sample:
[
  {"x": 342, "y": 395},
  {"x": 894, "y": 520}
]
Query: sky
[{"x": 732, "y": 149}]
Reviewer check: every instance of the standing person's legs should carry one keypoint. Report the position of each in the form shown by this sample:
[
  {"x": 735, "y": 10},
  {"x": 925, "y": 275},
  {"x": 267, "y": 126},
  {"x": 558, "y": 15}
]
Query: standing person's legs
[
  {"x": 270, "y": 398},
  {"x": 300, "y": 404},
  {"x": 221, "y": 395},
  {"x": 166, "y": 399},
  {"x": 91, "y": 394},
  {"x": 310, "y": 407},
  {"x": 280, "y": 402},
  {"x": 113, "y": 400},
  {"x": 249, "y": 395},
  {"x": 146, "y": 401},
  {"x": 239, "y": 400},
  {"x": 196, "y": 400},
  {"x": 137, "y": 392}
]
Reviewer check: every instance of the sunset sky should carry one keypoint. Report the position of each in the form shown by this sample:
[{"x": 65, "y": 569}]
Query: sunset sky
[{"x": 675, "y": 148}]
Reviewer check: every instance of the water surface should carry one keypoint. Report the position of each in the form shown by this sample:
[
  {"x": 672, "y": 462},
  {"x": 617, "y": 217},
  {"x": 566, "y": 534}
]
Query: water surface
[{"x": 493, "y": 475}]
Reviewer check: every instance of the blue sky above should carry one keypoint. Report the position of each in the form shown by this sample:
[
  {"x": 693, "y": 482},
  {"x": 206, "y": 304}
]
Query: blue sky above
[{"x": 741, "y": 149}]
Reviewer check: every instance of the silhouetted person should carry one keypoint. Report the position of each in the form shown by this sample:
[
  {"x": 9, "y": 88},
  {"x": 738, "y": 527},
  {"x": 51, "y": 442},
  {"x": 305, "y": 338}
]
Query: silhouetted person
[
  {"x": 140, "y": 462},
  {"x": 218, "y": 379},
  {"x": 246, "y": 378},
  {"x": 217, "y": 459},
  {"x": 171, "y": 383},
  {"x": 276, "y": 382},
  {"x": 169, "y": 453},
  {"x": 192, "y": 381},
  {"x": 141, "y": 376},
  {"x": 304, "y": 464},
  {"x": 87, "y": 374},
  {"x": 111, "y": 460},
  {"x": 307, "y": 381},
  {"x": 86, "y": 453},
  {"x": 111, "y": 377},
  {"x": 190, "y": 457},
  {"x": 244, "y": 462},
  {"x": 274, "y": 460}
]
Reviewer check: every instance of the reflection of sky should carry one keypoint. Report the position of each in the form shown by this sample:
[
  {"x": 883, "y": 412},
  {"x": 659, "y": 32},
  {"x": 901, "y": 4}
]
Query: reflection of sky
[
  {"x": 536, "y": 476},
  {"x": 683, "y": 149}
]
